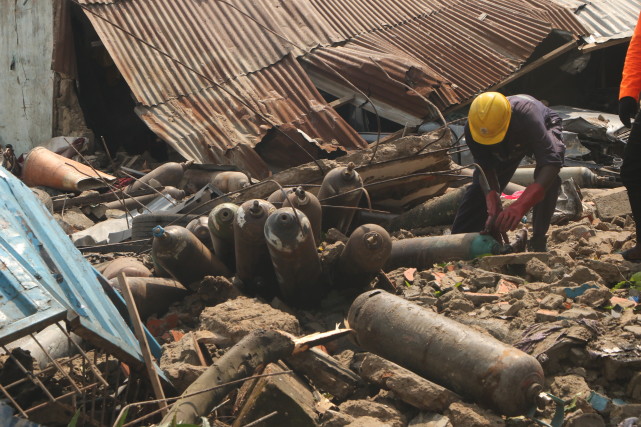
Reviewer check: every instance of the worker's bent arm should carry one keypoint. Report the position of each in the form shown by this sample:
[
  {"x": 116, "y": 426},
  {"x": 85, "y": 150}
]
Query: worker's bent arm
[{"x": 546, "y": 175}]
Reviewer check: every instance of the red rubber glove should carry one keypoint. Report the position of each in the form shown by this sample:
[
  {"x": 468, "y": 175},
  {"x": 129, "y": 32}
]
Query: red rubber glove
[{"x": 512, "y": 215}]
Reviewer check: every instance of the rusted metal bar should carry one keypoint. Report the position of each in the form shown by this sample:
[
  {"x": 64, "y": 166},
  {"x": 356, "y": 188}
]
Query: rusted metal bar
[
  {"x": 56, "y": 364},
  {"x": 468, "y": 362},
  {"x": 93, "y": 367},
  {"x": 150, "y": 365}
]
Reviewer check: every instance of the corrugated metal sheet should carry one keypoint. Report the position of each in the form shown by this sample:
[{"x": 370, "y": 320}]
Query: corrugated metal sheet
[
  {"x": 604, "y": 20},
  {"x": 47, "y": 270},
  {"x": 473, "y": 44},
  {"x": 231, "y": 62}
]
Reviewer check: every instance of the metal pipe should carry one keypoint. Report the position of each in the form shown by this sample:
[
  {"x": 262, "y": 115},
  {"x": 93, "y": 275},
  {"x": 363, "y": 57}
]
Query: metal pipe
[
  {"x": 581, "y": 175},
  {"x": 290, "y": 242},
  {"x": 468, "y": 362},
  {"x": 424, "y": 252}
]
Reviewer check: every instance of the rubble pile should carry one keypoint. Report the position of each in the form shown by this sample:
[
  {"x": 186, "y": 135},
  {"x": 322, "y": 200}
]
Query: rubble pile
[{"x": 301, "y": 306}]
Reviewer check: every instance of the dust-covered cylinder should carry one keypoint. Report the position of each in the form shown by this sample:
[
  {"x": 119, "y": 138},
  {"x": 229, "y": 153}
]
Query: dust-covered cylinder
[
  {"x": 293, "y": 253},
  {"x": 307, "y": 203},
  {"x": 185, "y": 257},
  {"x": 460, "y": 358},
  {"x": 423, "y": 252},
  {"x": 340, "y": 194},
  {"x": 364, "y": 255},
  {"x": 221, "y": 230},
  {"x": 253, "y": 265}
]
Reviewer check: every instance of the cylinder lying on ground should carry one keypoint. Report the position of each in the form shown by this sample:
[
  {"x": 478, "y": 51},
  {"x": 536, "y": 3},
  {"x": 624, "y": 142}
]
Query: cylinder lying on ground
[
  {"x": 253, "y": 265},
  {"x": 167, "y": 174},
  {"x": 293, "y": 253},
  {"x": 365, "y": 254},
  {"x": 449, "y": 353},
  {"x": 340, "y": 188},
  {"x": 221, "y": 230},
  {"x": 424, "y": 252},
  {"x": 183, "y": 256},
  {"x": 307, "y": 203}
]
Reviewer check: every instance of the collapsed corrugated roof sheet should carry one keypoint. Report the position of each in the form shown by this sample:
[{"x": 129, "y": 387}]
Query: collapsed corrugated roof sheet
[
  {"x": 213, "y": 78},
  {"x": 607, "y": 21}
]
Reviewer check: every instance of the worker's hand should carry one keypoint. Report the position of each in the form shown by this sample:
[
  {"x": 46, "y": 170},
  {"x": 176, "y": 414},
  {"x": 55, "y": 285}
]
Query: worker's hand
[
  {"x": 512, "y": 215},
  {"x": 628, "y": 107},
  {"x": 494, "y": 208}
]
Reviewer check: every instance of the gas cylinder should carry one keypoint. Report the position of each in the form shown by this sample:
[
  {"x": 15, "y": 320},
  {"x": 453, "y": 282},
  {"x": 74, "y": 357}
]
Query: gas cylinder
[
  {"x": 337, "y": 189},
  {"x": 454, "y": 355},
  {"x": 128, "y": 265},
  {"x": 364, "y": 255},
  {"x": 170, "y": 173},
  {"x": 221, "y": 231},
  {"x": 290, "y": 242},
  {"x": 253, "y": 265},
  {"x": 199, "y": 227},
  {"x": 581, "y": 175},
  {"x": 183, "y": 256},
  {"x": 307, "y": 203},
  {"x": 278, "y": 196},
  {"x": 424, "y": 252},
  {"x": 229, "y": 181},
  {"x": 153, "y": 295}
]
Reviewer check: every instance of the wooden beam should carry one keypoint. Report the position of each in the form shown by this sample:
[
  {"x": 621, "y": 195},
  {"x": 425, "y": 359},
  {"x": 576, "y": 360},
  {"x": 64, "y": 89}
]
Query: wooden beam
[{"x": 150, "y": 364}]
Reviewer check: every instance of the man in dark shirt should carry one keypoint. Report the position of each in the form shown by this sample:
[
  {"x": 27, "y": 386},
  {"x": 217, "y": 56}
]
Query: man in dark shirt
[{"x": 500, "y": 132}]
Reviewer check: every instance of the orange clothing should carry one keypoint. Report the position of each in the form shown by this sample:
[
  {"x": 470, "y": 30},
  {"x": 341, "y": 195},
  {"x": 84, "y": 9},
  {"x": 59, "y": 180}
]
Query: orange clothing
[{"x": 631, "y": 78}]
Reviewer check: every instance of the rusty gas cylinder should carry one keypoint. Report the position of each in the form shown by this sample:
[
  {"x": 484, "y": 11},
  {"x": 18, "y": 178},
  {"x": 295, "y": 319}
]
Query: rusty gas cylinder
[
  {"x": 131, "y": 203},
  {"x": 278, "y": 196},
  {"x": 199, "y": 226},
  {"x": 423, "y": 252},
  {"x": 221, "y": 230},
  {"x": 229, "y": 181},
  {"x": 340, "y": 188},
  {"x": 364, "y": 255},
  {"x": 131, "y": 266},
  {"x": 183, "y": 256},
  {"x": 167, "y": 174},
  {"x": 153, "y": 295},
  {"x": 290, "y": 241},
  {"x": 253, "y": 265},
  {"x": 307, "y": 203},
  {"x": 454, "y": 355}
]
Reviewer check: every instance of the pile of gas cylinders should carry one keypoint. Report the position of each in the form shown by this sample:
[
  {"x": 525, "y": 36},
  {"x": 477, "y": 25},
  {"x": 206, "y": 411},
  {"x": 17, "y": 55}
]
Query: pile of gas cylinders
[{"x": 272, "y": 246}]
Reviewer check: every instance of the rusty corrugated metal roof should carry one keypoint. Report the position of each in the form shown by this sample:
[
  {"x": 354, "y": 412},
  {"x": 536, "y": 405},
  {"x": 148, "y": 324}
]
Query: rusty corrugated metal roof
[
  {"x": 214, "y": 77},
  {"x": 457, "y": 50},
  {"x": 605, "y": 20}
]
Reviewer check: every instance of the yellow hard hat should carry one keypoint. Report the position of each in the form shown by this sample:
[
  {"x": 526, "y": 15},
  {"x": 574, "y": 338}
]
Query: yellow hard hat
[{"x": 489, "y": 118}]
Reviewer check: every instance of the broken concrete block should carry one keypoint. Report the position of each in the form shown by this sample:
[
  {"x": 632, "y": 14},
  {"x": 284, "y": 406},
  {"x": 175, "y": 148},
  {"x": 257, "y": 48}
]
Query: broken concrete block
[
  {"x": 552, "y": 302},
  {"x": 578, "y": 313},
  {"x": 75, "y": 219},
  {"x": 595, "y": 297},
  {"x": 610, "y": 272},
  {"x": 182, "y": 375},
  {"x": 636, "y": 330},
  {"x": 424, "y": 419},
  {"x": 569, "y": 387},
  {"x": 377, "y": 413},
  {"x": 585, "y": 420},
  {"x": 406, "y": 385},
  {"x": 537, "y": 269},
  {"x": 182, "y": 351},
  {"x": 612, "y": 203},
  {"x": 465, "y": 415},
  {"x": 286, "y": 394},
  {"x": 237, "y": 317},
  {"x": 544, "y": 315}
]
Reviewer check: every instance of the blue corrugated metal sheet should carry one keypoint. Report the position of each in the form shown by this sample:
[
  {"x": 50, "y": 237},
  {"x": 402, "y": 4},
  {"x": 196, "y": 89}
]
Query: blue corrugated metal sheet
[{"x": 44, "y": 276}]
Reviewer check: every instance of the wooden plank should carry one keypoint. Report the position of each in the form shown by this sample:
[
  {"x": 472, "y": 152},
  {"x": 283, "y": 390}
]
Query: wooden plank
[{"x": 150, "y": 364}]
